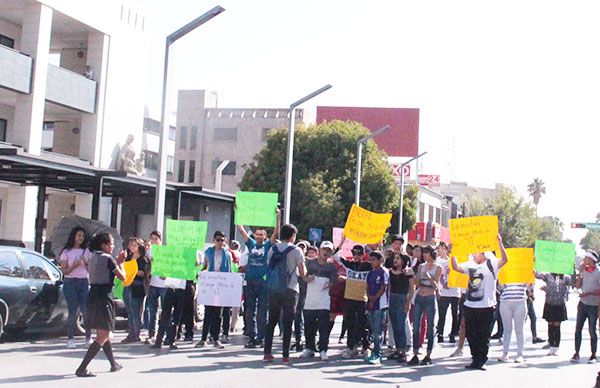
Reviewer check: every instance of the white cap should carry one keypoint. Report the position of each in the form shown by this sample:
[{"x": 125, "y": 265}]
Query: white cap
[{"x": 327, "y": 244}]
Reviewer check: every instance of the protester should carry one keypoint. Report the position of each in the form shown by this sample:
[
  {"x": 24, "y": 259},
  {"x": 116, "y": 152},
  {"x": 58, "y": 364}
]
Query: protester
[
  {"x": 480, "y": 301},
  {"x": 216, "y": 259},
  {"x": 513, "y": 308},
  {"x": 555, "y": 308},
  {"x": 135, "y": 293},
  {"x": 449, "y": 296},
  {"x": 101, "y": 314},
  {"x": 74, "y": 259},
  {"x": 400, "y": 277},
  {"x": 171, "y": 312},
  {"x": 532, "y": 316},
  {"x": 286, "y": 263},
  {"x": 458, "y": 352},
  {"x": 396, "y": 247},
  {"x": 298, "y": 319},
  {"x": 156, "y": 291},
  {"x": 378, "y": 280},
  {"x": 234, "y": 249},
  {"x": 321, "y": 275},
  {"x": 425, "y": 281},
  {"x": 588, "y": 281},
  {"x": 417, "y": 260}
]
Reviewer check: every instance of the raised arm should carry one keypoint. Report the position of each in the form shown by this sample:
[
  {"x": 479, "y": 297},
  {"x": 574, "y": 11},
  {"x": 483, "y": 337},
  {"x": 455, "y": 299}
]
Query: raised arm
[
  {"x": 455, "y": 266},
  {"x": 243, "y": 232},
  {"x": 275, "y": 234},
  {"x": 504, "y": 259}
]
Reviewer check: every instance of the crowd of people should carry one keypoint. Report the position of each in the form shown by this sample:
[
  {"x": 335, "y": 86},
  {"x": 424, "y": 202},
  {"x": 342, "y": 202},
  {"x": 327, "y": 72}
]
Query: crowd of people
[{"x": 384, "y": 296}]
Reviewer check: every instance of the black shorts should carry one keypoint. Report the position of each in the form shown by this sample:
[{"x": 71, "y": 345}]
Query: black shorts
[
  {"x": 553, "y": 313},
  {"x": 101, "y": 312}
]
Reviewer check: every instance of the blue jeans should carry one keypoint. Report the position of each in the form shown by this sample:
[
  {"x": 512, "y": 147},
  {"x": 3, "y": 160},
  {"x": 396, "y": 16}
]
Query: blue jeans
[
  {"x": 256, "y": 305},
  {"x": 76, "y": 294},
  {"x": 424, "y": 304},
  {"x": 376, "y": 318},
  {"x": 134, "y": 305},
  {"x": 586, "y": 313},
  {"x": 151, "y": 310},
  {"x": 398, "y": 319}
]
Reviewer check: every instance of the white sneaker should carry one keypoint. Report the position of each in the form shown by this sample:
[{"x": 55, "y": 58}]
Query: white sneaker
[
  {"x": 307, "y": 353},
  {"x": 457, "y": 353},
  {"x": 503, "y": 358},
  {"x": 89, "y": 341},
  {"x": 324, "y": 356},
  {"x": 71, "y": 344},
  {"x": 552, "y": 351},
  {"x": 519, "y": 360}
]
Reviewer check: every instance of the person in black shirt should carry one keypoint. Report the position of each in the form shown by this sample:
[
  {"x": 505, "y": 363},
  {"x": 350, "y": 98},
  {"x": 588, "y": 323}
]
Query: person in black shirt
[
  {"x": 135, "y": 294},
  {"x": 101, "y": 313},
  {"x": 400, "y": 278}
]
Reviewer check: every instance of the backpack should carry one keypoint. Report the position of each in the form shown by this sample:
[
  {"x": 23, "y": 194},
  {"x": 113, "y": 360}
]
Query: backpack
[{"x": 278, "y": 277}]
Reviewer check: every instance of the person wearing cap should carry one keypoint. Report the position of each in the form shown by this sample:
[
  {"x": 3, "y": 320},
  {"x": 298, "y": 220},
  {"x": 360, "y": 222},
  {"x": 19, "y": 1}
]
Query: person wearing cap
[
  {"x": 321, "y": 275},
  {"x": 588, "y": 281},
  {"x": 378, "y": 280},
  {"x": 355, "y": 297}
]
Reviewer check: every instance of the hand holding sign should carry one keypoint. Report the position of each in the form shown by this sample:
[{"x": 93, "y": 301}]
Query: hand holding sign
[
  {"x": 366, "y": 227},
  {"x": 554, "y": 257},
  {"x": 474, "y": 234}
]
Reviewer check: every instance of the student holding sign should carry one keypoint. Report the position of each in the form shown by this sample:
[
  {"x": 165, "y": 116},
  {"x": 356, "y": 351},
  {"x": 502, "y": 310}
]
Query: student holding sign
[
  {"x": 555, "y": 308},
  {"x": 588, "y": 281},
  {"x": 480, "y": 301}
]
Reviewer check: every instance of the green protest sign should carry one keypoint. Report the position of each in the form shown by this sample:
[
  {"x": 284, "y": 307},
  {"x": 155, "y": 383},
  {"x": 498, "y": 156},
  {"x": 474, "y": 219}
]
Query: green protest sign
[
  {"x": 554, "y": 257},
  {"x": 174, "y": 262},
  {"x": 191, "y": 234},
  {"x": 256, "y": 209}
]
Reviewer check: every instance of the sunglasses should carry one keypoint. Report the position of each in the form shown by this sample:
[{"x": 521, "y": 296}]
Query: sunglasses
[{"x": 219, "y": 239}]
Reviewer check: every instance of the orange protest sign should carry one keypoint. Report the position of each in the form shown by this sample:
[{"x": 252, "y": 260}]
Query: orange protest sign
[
  {"x": 366, "y": 227},
  {"x": 519, "y": 267},
  {"x": 474, "y": 234},
  {"x": 455, "y": 278},
  {"x": 131, "y": 269}
]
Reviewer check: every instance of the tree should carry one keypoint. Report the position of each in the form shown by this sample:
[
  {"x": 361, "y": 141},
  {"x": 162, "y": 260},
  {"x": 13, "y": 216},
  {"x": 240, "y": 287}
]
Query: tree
[
  {"x": 324, "y": 175},
  {"x": 536, "y": 190},
  {"x": 592, "y": 238},
  {"x": 550, "y": 229}
]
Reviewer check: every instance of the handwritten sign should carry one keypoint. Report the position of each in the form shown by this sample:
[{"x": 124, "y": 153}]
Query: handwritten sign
[
  {"x": 191, "y": 234},
  {"x": 131, "y": 268},
  {"x": 554, "y": 257},
  {"x": 256, "y": 209},
  {"x": 455, "y": 278},
  {"x": 348, "y": 244},
  {"x": 356, "y": 285},
  {"x": 474, "y": 234},
  {"x": 519, "y": 268},
  {"x": 174, "y": 262},
  {"x": 366, "y": 227},
  {"x": 219, "y": 289}
]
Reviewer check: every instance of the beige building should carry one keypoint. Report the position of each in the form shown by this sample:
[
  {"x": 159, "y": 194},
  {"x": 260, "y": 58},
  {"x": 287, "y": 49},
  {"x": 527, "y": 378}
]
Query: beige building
[{"x": 208, "y": 135}]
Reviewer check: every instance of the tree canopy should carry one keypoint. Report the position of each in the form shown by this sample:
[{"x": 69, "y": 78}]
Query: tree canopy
[
  {"x": 324, "y": 172},
  {"x": 592, "y": 238}
]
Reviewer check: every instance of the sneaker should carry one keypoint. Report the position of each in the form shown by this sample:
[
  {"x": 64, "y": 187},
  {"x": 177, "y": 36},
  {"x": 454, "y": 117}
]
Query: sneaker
[
  {"x": 394, "y": 356},
  {"x": 225, "y": 339},
  {"x": 375, "y": 359},
  {"x": 552, "y": 351},
  {"x": 426, "y": 361},
  {"x": 440, "y": 338},
  {"x": 324, "y": 356},
  {"x": 496, "y": 336},
  {"x": 414, "y": 361},
  {"x": 457, "y": 353},
  {"x": 519, "y": 359},
  {"x": 217, "y": 344},
  {"x": 71, "y": 344},
  {"x": 575, "y": 358},
  {"x": 156, "y": 345},
  {"x": 252, "y": 344},
  {"x": 201, "y": 344},
  {"x": 285, "y": 360},
  {"x": 503, "y": 358},
  {"x": 537, "y": 340},
  {"x": 268, "y": 358},
  {"x": 173, "y": 347},
  {"x": 402, "y": 359},
  {"x": 89, "y": 341},
  {"x": 451, "y": 339},
  {"x": 592, "y": 359},
  {"x": 547, "y": 346},
  {"x": 307, "y": 353},
  {"x": 188, "y": 339}
]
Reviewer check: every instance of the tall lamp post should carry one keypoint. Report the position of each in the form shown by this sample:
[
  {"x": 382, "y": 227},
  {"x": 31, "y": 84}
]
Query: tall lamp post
[
  {"x": 161, "y": 183},
  {"x": 290, "y": 151},
  {"x": 402, "y": 190},
  {"x": 359, "y": 145}
]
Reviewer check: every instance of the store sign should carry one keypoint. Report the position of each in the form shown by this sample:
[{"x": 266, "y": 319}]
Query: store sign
[{"x": 429, "y": 180}]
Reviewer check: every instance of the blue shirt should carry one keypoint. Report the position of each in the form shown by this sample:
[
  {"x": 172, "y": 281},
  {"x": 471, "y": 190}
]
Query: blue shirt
[
  {"x": 258, "y": 264},
  {"x": 375, "y": 279}
]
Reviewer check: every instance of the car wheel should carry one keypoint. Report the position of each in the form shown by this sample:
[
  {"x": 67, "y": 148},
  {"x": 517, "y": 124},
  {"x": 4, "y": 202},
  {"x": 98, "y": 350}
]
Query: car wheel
[{"x": 1, "y": 326}]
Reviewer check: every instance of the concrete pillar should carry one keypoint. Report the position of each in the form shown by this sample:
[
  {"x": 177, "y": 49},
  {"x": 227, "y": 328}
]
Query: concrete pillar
[
  {"x": 83, "y": 205},
  {"x": 29, "y": 109},
  {"x": 20, "y": 213}
]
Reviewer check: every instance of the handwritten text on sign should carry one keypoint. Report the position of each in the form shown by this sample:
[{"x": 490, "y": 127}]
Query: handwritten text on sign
[
  {"x": 366, "y": 227},
  {"x": 554, "y": 257},
  {"x": 519, "y": 268},
  {"x": 219, "y": 289},
  {"x": 474, "y": 234},
  {"x": 183, "y": 233},
  {"x": 174, "y": 262}
]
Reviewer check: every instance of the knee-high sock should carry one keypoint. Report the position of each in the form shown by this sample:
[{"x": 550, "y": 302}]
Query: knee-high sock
[
  {"x": 89, "y": 356},
  {"x": 556, "y": 336},
  {"x": 107, "y": 347}
]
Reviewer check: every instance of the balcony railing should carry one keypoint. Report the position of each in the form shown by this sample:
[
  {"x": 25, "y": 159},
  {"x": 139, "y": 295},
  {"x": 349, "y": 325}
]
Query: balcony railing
[
  {"x": 15, "y": 70},
  {"x": 70, "y": 89}
]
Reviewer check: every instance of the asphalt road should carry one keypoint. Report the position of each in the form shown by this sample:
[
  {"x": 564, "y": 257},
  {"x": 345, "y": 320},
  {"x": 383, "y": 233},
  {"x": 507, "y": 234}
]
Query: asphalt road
[{"x": 47, "y": 363}]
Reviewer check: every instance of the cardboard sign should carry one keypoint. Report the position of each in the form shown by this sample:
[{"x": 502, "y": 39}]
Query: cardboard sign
[
  {"x": 190, "y": 234},
  {"x": 366, "y": 227},
  {"x": 519, "y": 268},
  {"x": 219, "y": 289},
  {"x": 174, "y": 262},
  {"x": 474, "y": 234},
  {"x": 348, "y": 244},
  {"x": 131, "y": 268},
  {"x": 554, "y": 257},
  {"x": 455, "y": 278},
  {"x": 356, "y": 285},
  {"x": 256, "y": 209}
]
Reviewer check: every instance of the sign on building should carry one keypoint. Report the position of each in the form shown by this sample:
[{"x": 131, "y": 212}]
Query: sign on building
[{"x": 429, "y": 180}]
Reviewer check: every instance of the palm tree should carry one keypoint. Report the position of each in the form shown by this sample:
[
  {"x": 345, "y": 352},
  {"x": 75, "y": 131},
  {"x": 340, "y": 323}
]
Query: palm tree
[{"x": 536, "y": 190}]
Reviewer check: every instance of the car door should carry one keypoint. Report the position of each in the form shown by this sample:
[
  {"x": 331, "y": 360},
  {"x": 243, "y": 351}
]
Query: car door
[
  {"x": 44, "y": 287},
  {"x": 14, "y": 286}
]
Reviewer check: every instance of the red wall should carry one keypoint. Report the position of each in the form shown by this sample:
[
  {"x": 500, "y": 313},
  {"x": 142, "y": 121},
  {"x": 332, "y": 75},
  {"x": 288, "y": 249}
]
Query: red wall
[{"x": 402, "y": 139}]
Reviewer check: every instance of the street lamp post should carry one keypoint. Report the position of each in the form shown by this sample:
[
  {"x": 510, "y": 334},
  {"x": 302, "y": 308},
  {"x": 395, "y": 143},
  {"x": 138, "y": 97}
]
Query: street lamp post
[
  {"x": 290, "y": 151},
  {"x": 402, "y": 190},
  {"x": 161, "y": 183},
  {"x": 359, "y": 158}
]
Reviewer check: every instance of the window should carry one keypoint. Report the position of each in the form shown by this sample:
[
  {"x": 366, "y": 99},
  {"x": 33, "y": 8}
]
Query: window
[
  {"x": 170, "y": 162},
  {"x": 226, "y": 134},
  {"x": 421, "y": 212},
  {"x": 172, "y": 133},
  {"x": 6, "y": 41},
  {"x": 192, "y": 171},
  {"x": 37, "y": 267},
  {"x": 265, "y": 133},
  {"x": 9, "y": 265},
  {"x": 229, "y": 169},
  {"x": 151, "y": 159},
  {"x": 431, "y": 213},
  {"x": 438, "y": 216},
  {"x": 181, "y": 171},
  {"x": 193, "y": 137},
  {"x": 182, "y": 138},
  {"x": 3, "y": 125}
]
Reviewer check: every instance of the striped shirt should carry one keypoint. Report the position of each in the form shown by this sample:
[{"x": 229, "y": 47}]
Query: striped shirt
[{"x": 514, "y": 292}]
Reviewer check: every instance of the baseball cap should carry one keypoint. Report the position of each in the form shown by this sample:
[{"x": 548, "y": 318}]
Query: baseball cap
[
  {"x": 358, "y": 249},
  {"x": 591, "y": 255},
  {"x": 397, "y": 237},
  {"x": 327, "y": 244}
]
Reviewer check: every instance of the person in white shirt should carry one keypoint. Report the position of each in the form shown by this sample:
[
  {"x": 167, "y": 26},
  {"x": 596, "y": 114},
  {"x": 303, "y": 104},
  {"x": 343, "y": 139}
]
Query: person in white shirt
[{"x": 449, "y": 296}]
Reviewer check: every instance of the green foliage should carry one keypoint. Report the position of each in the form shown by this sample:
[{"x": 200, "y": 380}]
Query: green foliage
[
  {"x": 536, "y": 189},
  {"x": 550, "y": 228},
  {"x": 409, "y": 211},
  {"x": 592, "y": 238},
  {"x": 324, "y": 172}
]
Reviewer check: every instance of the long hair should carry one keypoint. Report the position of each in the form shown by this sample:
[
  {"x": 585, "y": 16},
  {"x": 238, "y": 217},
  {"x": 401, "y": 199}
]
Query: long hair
[
  {"x": 71, "y": 240},
  {"x": 141, "y": 247}
]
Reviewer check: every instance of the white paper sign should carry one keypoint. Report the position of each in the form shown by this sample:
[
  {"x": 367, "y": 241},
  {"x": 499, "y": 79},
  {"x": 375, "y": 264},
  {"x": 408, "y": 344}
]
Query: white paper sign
[{"x": 219, "y": 289}]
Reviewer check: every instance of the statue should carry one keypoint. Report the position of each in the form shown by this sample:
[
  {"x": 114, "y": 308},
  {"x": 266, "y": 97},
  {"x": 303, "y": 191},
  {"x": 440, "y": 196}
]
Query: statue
[
  {"x": 127, "y": 161},
  {"x": 140, "y": 164}
]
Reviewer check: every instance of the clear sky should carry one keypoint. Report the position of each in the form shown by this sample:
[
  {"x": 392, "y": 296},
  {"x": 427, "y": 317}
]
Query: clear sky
[{"x": 507, "y": 90}]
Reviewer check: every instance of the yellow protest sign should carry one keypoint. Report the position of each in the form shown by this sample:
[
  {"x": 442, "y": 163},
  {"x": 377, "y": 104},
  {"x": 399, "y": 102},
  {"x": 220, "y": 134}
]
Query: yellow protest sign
[
  {"x": 474, "y": 234},
  {"x": 519, "y": 268},
  {"x": 455, "y": 278},
  {"x": 366, "y": 227},
  {"x": 131, "y": 269}
]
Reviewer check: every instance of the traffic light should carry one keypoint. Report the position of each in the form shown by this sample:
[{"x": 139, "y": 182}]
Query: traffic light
[{"x": 577, "y": 225}]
